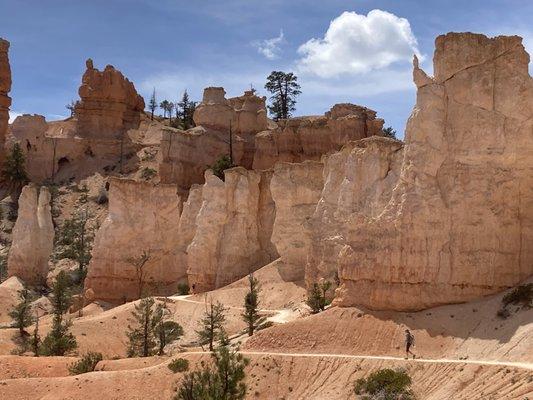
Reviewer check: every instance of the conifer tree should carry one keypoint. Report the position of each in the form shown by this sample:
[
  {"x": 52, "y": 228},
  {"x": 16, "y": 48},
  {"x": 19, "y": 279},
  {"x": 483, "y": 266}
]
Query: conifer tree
[
  {"x": 251, "y": 315},
  {"x": 166, "y": 331},
  {"x": 212, "y": 324},
  {"x": 21, "y": 314},
  {"x": 14, "y": 172},
  {"x": 152, "y": 105},
  {"x": 284, "y": 88},
  {"x": 141, "y": 336}
]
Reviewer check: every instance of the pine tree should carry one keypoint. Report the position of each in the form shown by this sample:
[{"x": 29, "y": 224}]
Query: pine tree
[
  {"x": 185, "y": 111},
  {"x": 14, "y": 171},
  {"x": 284, "y": 88},
  {"x": 251, "y": 315},
  {"x": 152, "y": 105},
  {"x": 60, "y": 340},
  {"x": 223, "y": 380},
  {"x": 389, "y": 132},
  {"x": 212, "y": 324},
  {"x": 166, "y": 331},
  {"x": 21, "y": 314},
  {"x": 141, "y": 336},
  {"x": 317, "y": 297}
]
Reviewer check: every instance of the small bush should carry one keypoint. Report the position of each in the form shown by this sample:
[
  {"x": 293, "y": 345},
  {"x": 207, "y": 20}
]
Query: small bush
[
  {"x": 179, "y": 365},
  {"x": 148, "y": 173},
  {"x": 520, "y": 296},
  {"x": 183, "y": 289},
  {"x": 221, "y": 164},
  {"x": 386, "y": 384},
  {"x": 86, "y": 364}
]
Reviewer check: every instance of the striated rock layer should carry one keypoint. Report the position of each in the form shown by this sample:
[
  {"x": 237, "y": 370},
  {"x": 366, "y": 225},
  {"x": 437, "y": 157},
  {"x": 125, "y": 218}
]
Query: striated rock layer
[
  {"x": 33, "y": 236},
  {"x": 5, "y": 87},
  {"x": 459, "y": 221},
  {"x": 142, "y": 218},
  {"x": 308, "y": 138},
  {"x": 233, "y": 229},
  {"x": 109, "y": 104}
]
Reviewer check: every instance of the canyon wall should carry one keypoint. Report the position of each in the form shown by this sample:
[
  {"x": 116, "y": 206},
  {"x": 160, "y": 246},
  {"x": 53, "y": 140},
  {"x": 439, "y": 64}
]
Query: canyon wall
[
  {"x": 143, "y": 218},
  {"x": 295, "y": 190},
  {"x": 33, "y": 237},
  {"x": 5, "y": 87},
  {"x": 308, "y": 138},
  {"x": 109, "y": 104},
  {"x": 459, "y": 222},
  {"x": 232, "y": 235}
]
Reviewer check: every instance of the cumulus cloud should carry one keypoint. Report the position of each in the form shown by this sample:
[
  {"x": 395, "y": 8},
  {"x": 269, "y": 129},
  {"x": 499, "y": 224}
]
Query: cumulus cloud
[
  {"x": 270, "y": 48},
  {"x": 357, "y": 44}
]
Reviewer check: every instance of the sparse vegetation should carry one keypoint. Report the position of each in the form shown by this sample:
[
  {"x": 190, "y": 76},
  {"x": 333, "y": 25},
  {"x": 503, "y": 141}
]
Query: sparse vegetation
[
  {"x": 14, "y": 171},
  {"x": 284, "y": 88},
  {"x": 178, "y": 365},
  {"x": 221, "y": 164},
  {"x": 318, "y": 296},
  {"x": 152, "y": 330},
  {"x": 389, "y": 132},
  {"x": 60, "y": 340},
  {"x": 385, "y": 384},
  {"x": 74, "y": 240},
  {"x": 85, "y": 364},
  {"x": 212, "y": 324},
  {"x": 251, "y": 315},
  {"x": 521, "y": 296},
  {"x": 139, "y": 263},
  {"x": 21, "y": 314},
  {"x": 183, "y": 289},
  {"x": 148, "y": 173},
  {"x": 3, "y": 267},
  {"x": 223, "y": 379},
  {"x": 152, "y": 105}
]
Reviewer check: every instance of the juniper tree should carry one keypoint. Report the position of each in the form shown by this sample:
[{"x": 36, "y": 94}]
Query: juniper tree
[
  {"x": 212, "y": 324},
  {"x": 284, "y": 88},
  {"x": 60, "y": 340},
  {"x": 21, "y": 314},
  {"x": 251, "y": 315}
]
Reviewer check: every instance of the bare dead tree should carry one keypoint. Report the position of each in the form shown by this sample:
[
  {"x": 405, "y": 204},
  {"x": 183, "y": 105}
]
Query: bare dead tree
[{"x": 139, "y": 263}]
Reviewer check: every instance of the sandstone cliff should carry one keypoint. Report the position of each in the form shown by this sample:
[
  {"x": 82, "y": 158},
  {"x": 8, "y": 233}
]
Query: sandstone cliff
[
  {"x": 232, "y": 235},
  {"x": 142, "y": 218},
  {"x": 5, "y": 87},
  {"x": 308, "y": 138},
  {"x": 33, "y": 236},
  {"x": 459, "y": 223},
  {"x": 109, "y": 104},
  {"x": 296, "y": 190}
]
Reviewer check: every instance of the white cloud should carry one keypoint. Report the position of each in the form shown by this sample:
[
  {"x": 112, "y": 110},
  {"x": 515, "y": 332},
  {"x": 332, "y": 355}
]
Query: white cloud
[
  {"x": 13, "y": 115},
  {"x": 270, "y": 48},
  {"x": 356, "y": 44}
]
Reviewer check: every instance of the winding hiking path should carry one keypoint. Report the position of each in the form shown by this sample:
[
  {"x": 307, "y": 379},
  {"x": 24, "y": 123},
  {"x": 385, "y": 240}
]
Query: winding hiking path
[
  {"x": 521, "y": 365},
  {"x": 282, "y": 316}
]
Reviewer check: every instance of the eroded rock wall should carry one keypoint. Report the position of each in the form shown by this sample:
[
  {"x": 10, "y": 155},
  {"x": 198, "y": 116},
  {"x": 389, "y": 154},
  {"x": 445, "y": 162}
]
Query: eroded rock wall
[
  {"x": 142, "y": 218},
  {"x": 5, "y": 87},
  {"x": 109, "y": 104},
  {"x": 459, "y": 224},
  {"x": 231, "y": 229},
  {"x": 33, "y": 237},
  {"x": 308, "y": 138},
  {"x": 295, "y": 190}
]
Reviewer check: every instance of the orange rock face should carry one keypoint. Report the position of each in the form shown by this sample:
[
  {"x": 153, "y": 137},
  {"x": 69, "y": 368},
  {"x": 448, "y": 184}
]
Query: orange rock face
[
  {"x": 5, "y": 87},
  {"x": 459, "y": 221},
  {"x": 109, "y": 104},
  {"x": 308, "y": 138}
]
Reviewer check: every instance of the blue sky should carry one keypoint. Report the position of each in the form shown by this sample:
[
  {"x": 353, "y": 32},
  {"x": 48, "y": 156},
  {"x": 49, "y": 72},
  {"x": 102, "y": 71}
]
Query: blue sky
[{"x": 342, "y": 50}]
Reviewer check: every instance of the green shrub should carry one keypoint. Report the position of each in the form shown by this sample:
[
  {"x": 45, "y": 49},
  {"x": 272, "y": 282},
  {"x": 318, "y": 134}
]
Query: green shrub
[
  {"x": 521, "y": 295},
  {"x": 86, "y": 364},
  {"x": 183, "y": 289},
  {"x": 317, "y": 297},
  {"x": 221, "y": 164},
  {"x": 148, "y": 173},
  {"x": 179, "y": 365},
  {"x": 385, "y": 384}
]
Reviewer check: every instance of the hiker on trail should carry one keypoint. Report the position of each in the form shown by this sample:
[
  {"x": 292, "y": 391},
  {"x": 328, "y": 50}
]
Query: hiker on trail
[{"x": 409, "y": 341}]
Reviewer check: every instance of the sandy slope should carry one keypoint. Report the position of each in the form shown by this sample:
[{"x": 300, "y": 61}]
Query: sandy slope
[{"x": 287, "y": 376}]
